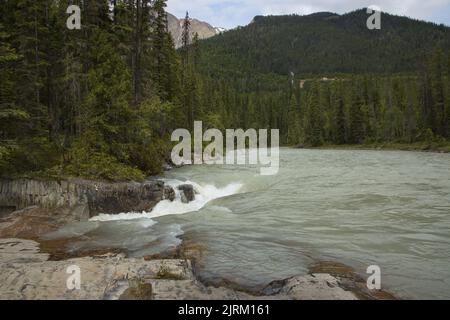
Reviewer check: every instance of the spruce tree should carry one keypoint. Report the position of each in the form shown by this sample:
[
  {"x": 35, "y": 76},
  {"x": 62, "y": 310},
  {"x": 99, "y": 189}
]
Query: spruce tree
[
  {"x": 12, "y": 117},
  {"x": 340, "y": 122},
  {"x": 195, "y": 51},
  {"x": 293, "y": 122},
  {"x": 186, "y": 40},
  {"x": 163, "y": 65},
  {"x": 437, "y": 92},
  {"x": 314, "y": 125},
  {"x": 356, "y": 117},
  {"x": 447, "y": 119},
  {"x": 29, "y": 35}
]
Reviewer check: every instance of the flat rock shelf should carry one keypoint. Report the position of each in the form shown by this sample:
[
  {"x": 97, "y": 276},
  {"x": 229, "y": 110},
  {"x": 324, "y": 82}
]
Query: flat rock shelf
[{"x": 27, "y": 273}]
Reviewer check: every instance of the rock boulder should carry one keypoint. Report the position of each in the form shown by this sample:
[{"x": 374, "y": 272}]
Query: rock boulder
[{"x": 187, "y": 193}]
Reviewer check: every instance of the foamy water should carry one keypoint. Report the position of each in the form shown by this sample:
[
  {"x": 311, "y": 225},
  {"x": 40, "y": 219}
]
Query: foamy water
[{"x": 203, "y": 195}]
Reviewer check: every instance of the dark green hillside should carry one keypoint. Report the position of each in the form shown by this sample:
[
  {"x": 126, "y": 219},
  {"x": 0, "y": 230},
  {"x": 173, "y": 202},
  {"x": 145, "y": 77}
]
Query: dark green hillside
[
  {"x": 388, "y": 85},
  {"x": 324, "y": 43}
]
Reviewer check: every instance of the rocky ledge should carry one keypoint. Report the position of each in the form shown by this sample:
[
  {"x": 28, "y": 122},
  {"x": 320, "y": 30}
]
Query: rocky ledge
[
  {"x": 27, "y": 273},
  {"x": 96, "y": 197},
  {"x": 30, "y": 208}
]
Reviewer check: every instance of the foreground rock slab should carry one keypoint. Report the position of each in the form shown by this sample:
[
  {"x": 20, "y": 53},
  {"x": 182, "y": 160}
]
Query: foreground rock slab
[
  {"x": 28, "y": 274},
  {"x": 32, "y": 222},
  {"x": 318, "y": 286}
]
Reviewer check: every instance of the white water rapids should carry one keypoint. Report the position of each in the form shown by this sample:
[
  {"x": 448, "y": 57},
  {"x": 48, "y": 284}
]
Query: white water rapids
[{"x": 203, "y": 195}]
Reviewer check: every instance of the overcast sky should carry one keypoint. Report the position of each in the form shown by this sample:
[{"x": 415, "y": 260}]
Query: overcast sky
[{"x": 231, "y": 13}]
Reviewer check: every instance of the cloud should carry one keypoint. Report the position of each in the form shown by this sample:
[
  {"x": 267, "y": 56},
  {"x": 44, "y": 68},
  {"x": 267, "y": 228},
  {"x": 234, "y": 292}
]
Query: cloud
[{"x": 230, "y": 13}]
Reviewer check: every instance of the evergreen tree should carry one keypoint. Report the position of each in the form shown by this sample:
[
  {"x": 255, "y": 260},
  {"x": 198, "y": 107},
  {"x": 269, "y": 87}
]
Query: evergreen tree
[
  {"x": 195, "y": 51},
  {"x": 189, "y": 80},
  {"x": 314, "y": 120},
  {"x": 293, "y": 130},
  {"x": 341, "y": 123},
  {"x": 447, "y": 118},
  {"x": 29, "y": 35},
  {"x": 437, "y": 93},
  {"x": 12, "y": 117},
  {"x": 356, "y": 118},
  {"x": 186, "y": 39},
  {"x": 411, "y": 122}
]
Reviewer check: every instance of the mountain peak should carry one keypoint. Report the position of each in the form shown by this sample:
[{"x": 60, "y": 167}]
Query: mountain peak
[
  {"x": 319, "y": 15},
  {"x": 323, "y": 14},
  {"x": 203, "y": 29}
]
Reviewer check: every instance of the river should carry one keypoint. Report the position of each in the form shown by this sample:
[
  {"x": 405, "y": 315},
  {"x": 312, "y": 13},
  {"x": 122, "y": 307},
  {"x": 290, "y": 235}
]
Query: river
[{"x": 361, "y": 208}]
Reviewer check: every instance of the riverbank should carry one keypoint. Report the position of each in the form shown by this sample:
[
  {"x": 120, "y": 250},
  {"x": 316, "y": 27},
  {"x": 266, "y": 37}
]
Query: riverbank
[{"x": 439, "y": 147}]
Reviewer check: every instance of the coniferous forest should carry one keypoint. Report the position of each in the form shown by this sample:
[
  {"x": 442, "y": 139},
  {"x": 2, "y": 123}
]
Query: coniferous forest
[
  {"x": 99, "y": 102},
  {"x": 102, "y": 102}
]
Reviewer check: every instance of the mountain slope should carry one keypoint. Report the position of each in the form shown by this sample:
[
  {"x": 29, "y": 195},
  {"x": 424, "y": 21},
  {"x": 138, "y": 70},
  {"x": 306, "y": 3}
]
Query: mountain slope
[
  {"x": 324, "y": 43},
  {"x": 203, "y": 29}
]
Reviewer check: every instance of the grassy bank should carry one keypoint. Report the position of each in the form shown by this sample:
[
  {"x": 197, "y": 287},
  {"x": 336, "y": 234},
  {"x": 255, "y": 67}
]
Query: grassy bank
[{"x": 442, "y": 147}]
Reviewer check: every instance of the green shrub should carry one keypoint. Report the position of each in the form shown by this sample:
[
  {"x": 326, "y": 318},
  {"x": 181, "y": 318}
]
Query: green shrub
[
  {"x": 102, "y": 166},
  {"x": 91, "y": 161},
  {"x": 30, "y": 155}
]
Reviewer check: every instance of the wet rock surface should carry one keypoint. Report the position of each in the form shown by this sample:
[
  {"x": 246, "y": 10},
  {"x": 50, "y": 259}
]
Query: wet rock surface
[
  {"x": 169, "y": 193},
  {"x": 32, "y": 222},
  {"x": 350, "y": 280},
  {"x": 319, "y": 286},
  {"x": 98, "y": 197},
  {"x": 187, "y": 193},
  {"x": 125, "y": 197},
  {"x": 27, "y": 273}
]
